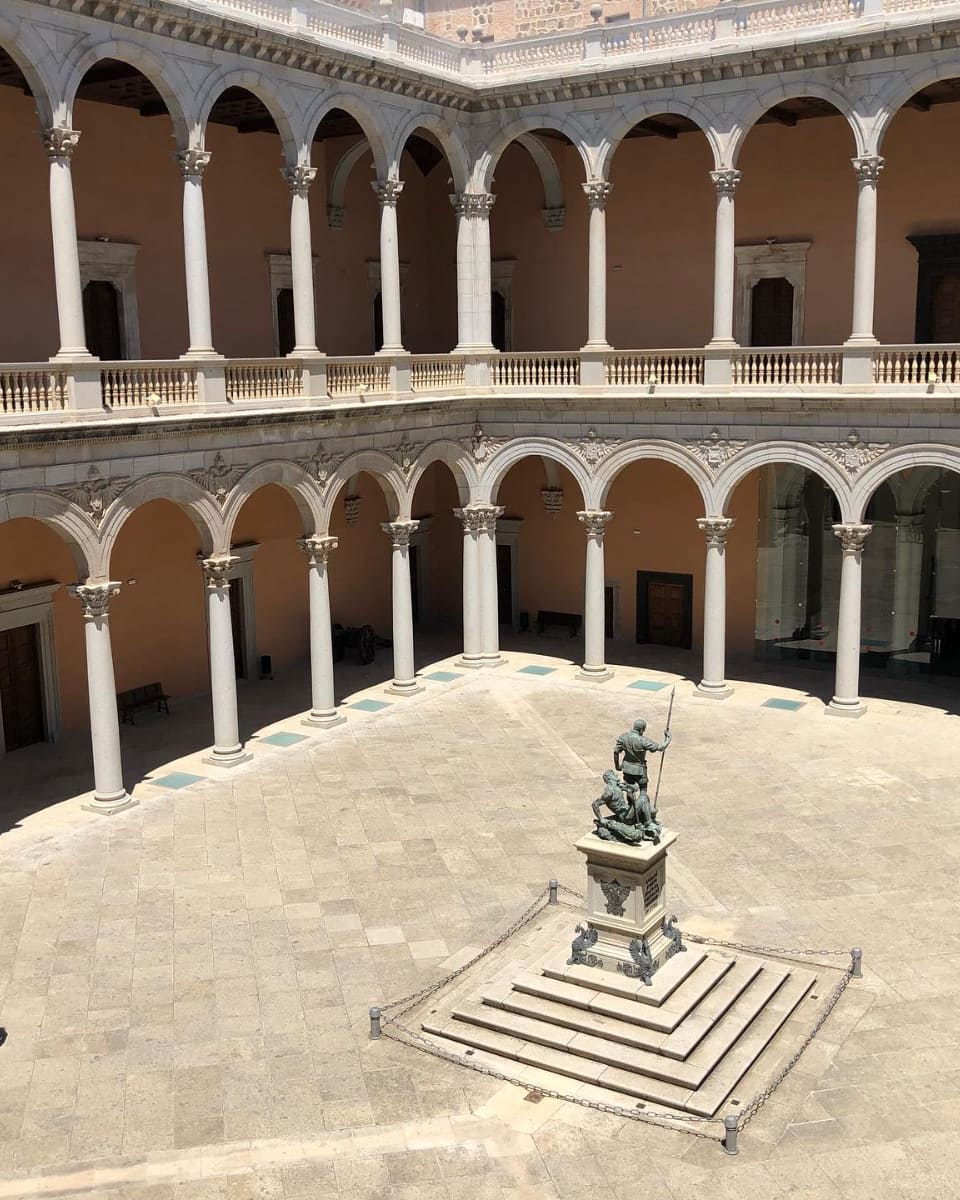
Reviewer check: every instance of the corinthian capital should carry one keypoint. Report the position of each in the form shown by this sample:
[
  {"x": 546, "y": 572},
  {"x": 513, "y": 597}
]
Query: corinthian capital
[
  {"x": 388, "y": 191},
  {"x": 594, "y": 523},
  {"x": 95, "y": 598},
  {"x": 479, "y": 518},
  {"x": 400, "y": 532},
  {"x": 473, "y": 204},
  {"x": 216, "y": 571},
  {"x": 192, "y": 162},
  {"x": 299, "y": 178},
  {"x": 716, "y": 529},
  {"x": 868, "y": 167},
  {"x": 725, "y": 181},
  {"x": 60, "y": 141},
  {"x": 597, "y": 192},
  {"x": 318, "y": 549},
  {"x": 852, "y": 537}
]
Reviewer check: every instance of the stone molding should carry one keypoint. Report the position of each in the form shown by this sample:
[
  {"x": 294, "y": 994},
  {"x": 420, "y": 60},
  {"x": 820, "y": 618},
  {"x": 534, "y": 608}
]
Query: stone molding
[
  {"x": 60, "y": 141},
  {"x": 318, "y": 548},
  {"x": 193, "y": 162},
  {"x": 299, "y": 178},
  {"x": 400, "y": 532},
  {"x": 716, "y": 529},
  {"x": 594, "y": 522},
  {"x": 95, "y": 598},
  {"x": 852, "y": 537},
  {"x": 217, "y": 571},
  {"x": 852, "y": 453}
]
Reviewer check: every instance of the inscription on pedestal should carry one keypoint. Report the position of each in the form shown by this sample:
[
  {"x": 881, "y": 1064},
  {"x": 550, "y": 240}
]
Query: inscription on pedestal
[{"x": 651, "y": 890}]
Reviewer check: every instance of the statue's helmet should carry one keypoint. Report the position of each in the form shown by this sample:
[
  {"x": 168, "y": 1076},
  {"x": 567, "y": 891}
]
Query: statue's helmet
[{"x": 640, "y": 725}]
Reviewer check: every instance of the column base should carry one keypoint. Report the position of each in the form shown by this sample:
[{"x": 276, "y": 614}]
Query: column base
[
  {"x": 306, "y": 352},
  {"x": 716, "y": 691},
  {"x": 109, "y": 804},
  {"x": 493, "y": 660},
  {"x": 472, "y": 662},
  {"x": 411, "y": 687},
  {"x": 76, "y": 354},
  {"x": 207, "y": 353},
  {"x": 227, "y": 758},
  {"x": 594, "y": 674},
  {"x": 324, "y": 720},
  {"x": 845, "y": 708}
]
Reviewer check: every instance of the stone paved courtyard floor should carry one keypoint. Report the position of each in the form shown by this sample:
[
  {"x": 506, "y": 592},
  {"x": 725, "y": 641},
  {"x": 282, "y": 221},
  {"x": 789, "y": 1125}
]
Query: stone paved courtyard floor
[{"x": 185, "y": 985}]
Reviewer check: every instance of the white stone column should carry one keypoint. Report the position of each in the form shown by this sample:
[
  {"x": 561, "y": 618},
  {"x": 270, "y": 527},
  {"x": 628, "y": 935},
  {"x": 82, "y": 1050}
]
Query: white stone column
[
  {"x": 715, "y": 607},
  {"x": 594, "y": 609},
  {"x": 60, "y": 143},
  {"x": 868, "y": 170},
  {"x": 388, "y": 194},
  {"x": 405, "y": 682},
  {"x": 597, "y": 192},
  {"x": 489, "y": 596},
  {"x": 465, "y": 272},
  {"x": 193, "y": 163},
  {"x": 846, "y": 701},
  {"x": 724, "y": 259},
  {"x": 472, "y": 520},
  {"x": 299, "y": 178},
  {"x": 109, "y": 794},
  {"x": 323, "y": 710},
  {"x": 227, "y": 749},
  {"x": 480, "y": 206}
]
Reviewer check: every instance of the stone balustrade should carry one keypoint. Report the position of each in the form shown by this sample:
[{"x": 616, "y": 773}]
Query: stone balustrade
[{"x": 32, "y": 392}]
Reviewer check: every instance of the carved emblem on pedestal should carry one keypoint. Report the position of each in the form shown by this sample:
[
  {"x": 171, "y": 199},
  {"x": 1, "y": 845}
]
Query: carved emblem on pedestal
[
  {"x": 218, "y": 478},
  {"x": 94, "y": 493},
  {"x": 852, "y": 453},
  {"x": 616, "y": 895}
]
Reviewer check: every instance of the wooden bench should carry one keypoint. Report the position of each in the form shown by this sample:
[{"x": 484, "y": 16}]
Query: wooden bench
[
  {"x": 145, "y": 696},
  {"x": 571, "y": 621}
]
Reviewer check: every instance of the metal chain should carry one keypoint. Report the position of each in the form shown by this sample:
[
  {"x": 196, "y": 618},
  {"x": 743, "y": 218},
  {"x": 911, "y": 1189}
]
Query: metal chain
[{"x": 780, "y": 951}]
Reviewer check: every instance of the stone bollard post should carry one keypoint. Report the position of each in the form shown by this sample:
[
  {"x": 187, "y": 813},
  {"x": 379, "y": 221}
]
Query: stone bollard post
[
  {"x": 554, "y": 885},
  {"x": 374, "y": 1024},
  {"x": 856, "y": 963},
  {"x": 730, "y": 1134}
]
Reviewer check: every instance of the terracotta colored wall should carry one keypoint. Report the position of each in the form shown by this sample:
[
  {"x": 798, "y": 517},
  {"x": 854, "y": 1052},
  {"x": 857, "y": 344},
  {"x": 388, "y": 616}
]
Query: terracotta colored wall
[
  {"x": 360, "y": 568},
  {"x": 436, "y": 497}
]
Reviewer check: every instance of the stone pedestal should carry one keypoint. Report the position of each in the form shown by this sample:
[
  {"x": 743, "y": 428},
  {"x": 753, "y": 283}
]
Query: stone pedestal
[{"x": 627, "y": 897}]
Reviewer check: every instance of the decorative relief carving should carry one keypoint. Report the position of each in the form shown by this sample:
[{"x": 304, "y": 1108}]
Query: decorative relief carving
[
  {"x": 555, "y": 218},
  {"x": 473, "y": 204},
  {"x": 216, "y": 571},
  {"x": 597, "y": 192},
  {"x": 714, "y": 451},
  {"x": 218, "y": 478},
  {"x": 60, "y": 141},
  {"x": 853, "y": 454},
  {"x": 593, "y": 449},
  {"x": 400, "y": 532},
  {"x": 404, "y": 454},
  {"x": 615, "y": 895},
  {"x": 335, "y": 215},
  {"x": 725, "y": 181},
  {"x": 299, "y": 178},
  {"x": 852, "y": 537},
  {"x": 716, "y": 529},
  {"x": 387, "y": 191},
  {"x": 95, "y": 598},
  {"x": 481, "y": 446},
  {"x": 94, "y": 493},
  {"x": 868, "y": 168},
  {"x": 473, "y": 520},
  {"x": 320, "y": 465},
  {"x": 581, "y": 946},
  {"x": 351, "y": 509},
  {"x": 594, "y": 523},
  {"x": 193, "y": 162},
  {"x": 318, "y": 549},
  {"x": 552, "y": 498}
]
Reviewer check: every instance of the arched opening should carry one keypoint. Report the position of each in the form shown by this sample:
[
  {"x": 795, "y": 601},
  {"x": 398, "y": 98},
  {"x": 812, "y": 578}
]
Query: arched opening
[
  {"x": 28, "y": 305},
  {"x": 436, "y": 564},
  {"x": 660, "y": 235},
  {"x": 794, "y": 252},
  {"x": 918, "y": 258}
]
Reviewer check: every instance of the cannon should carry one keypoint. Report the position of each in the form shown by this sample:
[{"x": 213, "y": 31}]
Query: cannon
[{"x": 361, "y": 638}]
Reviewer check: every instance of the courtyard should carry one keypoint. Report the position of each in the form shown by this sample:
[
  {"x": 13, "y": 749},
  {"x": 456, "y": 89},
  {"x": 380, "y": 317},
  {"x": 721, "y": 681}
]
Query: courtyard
[{"x": 186, "y": 984}]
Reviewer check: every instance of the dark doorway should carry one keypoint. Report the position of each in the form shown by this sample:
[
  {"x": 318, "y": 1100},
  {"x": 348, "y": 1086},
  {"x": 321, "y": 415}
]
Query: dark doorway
[
  {"x": 771, "y": 313},
  {"x": 665, "y": 609},
  {"x": 608, "y": 612},
  {"x": 377, "y": 322},
  {"x": 286, "y": 330},
  {"x": 504, "y": 585},
  {"x": 21, "y": 687},
  {"x": 413, "y": 557},
  {"x": 498, "y": 321},
  {"x": 238, "y": 621},
  {"x": 938, "y": 287},
  {"x": 101, "y": 320}
]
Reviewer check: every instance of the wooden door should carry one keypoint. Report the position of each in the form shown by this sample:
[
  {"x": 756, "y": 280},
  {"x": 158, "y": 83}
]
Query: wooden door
[
  {"x": 771, "y": 313},
  {"x": 101, "y": 320},
  {"x": 21, "y": 687},
  {"x": 945, "y": 314},
  {"x": 665, "y": 608},
  {"x": 286, "y": 328}
]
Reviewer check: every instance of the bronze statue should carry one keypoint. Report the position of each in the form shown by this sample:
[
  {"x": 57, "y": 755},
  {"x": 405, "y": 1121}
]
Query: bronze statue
[
  {"x": 630, "y": 754},
  {"x": 632, "y": 820}
]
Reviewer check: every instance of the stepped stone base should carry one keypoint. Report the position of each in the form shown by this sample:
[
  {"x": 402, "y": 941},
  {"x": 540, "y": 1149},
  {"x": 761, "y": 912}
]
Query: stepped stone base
[{"x": 684, "y": 1043}]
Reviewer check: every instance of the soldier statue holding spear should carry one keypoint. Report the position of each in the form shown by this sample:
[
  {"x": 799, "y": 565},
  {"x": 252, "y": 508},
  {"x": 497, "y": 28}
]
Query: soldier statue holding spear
[{"x": 634, "y": 818}]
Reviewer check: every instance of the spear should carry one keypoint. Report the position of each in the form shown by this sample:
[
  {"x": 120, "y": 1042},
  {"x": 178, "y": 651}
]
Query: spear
[{"x": 656, "y": 794}]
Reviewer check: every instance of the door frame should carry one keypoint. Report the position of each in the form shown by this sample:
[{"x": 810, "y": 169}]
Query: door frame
[
  {"x": 508, "y": 534},
  {"x": 33, "y": 605},
  {"x": 644, "y": 579}
]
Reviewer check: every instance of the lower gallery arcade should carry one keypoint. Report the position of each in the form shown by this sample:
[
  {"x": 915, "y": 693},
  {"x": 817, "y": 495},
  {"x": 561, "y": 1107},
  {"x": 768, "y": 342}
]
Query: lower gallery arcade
[{"x": 784, "y": 575}]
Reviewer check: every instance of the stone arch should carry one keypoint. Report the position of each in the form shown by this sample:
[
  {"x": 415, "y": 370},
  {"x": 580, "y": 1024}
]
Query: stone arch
[
  {"x": 702, "y": 117},
  {"x": 489, "y": 157},
  {"x": 637, "y": 451},
  {"x": 901, "y": 86},
  {"x": 553, "y": 199},
  {"x": 383, "y": 469},
  {"x": 188, "y": 495},
  {"x": 946, "y": 458},
  {"x": 69, "y": 521},
  {"x": 34, "y": 59},
  {"x": 513, "y": 452},
  {"x": 337, "y": 192},
  {"x": 446, "y": 135},
  {"x": 147, "y": 63},
  {"x": 453, "y": 456},
  {"x": 300, "y": 486},
  {"x": 757, "y": 105},
  {"x": 769, "y": 453},
  {"x": 266, "y": 91},
  {"x": 370, "y": 122}
]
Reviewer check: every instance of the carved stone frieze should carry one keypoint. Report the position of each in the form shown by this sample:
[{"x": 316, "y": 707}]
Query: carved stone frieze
[
  {"x": 552, "y": 498},
  {"x": 481, "y": 446},
  {"x": 320, "y": 465},
  {"x": 404, "y": 454},
  {"x": 615, "y": 895},
  {"x": 400, "y": 532},
  {"x": 725, "y": 181},
  {"x": 594, "y": 523},
  {"x": 852, "y": 537},
  {"x": 318, "y": 549},
  {"x": 94, "y": 493},
  {"x": 597, "y": 192},
  {"x": 473, "y": 204},
  {"x": 716, "y": 529},
  {"x": 95, "y": 598},
  {"x": 351, "y": 509},
  {"x": 714, "y": 451},
  {"x": 387, "y": 191},
  {"x": 554, "y": 218},
  {"x": 218, "y": 478},
  {"x": 216, "y": 571},
  {"x": 868, "y": 167},
  {"x": 192, "y": 162},
  {"x": 299, "y": 178},
  {"x": 593, "y": 448},
  {"x": 852, "y": 453},
  {"x": 60, "y": 141}
]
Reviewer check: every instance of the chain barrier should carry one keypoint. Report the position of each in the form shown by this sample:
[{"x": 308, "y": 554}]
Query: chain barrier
[{"x": 392, "y": 1027}]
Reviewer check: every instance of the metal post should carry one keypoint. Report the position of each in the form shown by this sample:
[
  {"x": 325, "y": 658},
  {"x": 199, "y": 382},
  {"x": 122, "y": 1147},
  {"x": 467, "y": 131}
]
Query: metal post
[
  {"x": 554, "y": 885},
  {"x": 374, "y": 1023},
  {"x": 856, "y": 963},
  {"x": 730, "y": 1134}
]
